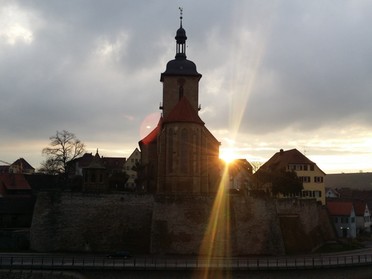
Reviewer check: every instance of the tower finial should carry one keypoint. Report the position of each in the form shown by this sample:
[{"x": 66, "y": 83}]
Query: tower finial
[{"x": 181, "y": 13}]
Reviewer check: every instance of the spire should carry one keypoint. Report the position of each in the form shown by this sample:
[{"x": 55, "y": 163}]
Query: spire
[
  {"x": 181, "y": 13},
  {"x": 181, "y": 39}
]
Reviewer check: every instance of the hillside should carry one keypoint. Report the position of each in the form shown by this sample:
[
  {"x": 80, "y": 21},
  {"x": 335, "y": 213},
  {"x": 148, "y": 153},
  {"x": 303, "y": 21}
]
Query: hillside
[{"x": 356, "y": 181}]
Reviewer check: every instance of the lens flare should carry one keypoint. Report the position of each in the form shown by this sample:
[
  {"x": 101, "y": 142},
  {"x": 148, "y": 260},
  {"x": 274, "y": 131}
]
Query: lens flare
[{"x": 216, "y": 242}]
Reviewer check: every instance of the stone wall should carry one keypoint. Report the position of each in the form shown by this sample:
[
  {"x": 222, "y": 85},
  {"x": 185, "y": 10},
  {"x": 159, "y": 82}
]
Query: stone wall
[
  {"x": 175, "y": 224},
  {"x": 256, "y": 227},
  {"x": 179, "y": 224},
  {"x": 304, "y": 224},
  {"x": 100, "y": 223}
]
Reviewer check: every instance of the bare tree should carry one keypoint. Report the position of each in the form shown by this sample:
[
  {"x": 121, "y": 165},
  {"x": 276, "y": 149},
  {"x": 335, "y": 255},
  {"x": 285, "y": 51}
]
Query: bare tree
[{"x": 64, "y": 147}]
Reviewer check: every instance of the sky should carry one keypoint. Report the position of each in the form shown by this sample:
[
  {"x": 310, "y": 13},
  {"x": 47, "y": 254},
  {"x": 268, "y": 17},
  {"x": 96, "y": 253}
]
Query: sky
[{"x": 278, "y": 74}]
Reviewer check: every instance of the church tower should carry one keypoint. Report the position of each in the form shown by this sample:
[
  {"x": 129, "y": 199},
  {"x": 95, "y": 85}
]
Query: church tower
[
  {"x": 180, "y": 77},
  {"x": 180, "y": 155}
]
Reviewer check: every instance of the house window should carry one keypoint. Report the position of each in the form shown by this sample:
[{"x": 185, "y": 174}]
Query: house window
[
  {"x": 336, "y": 219},
  {"x": 312, "y": 167},
  {"x": 305, "y": 167},
  {"x": 305, "y": 179},
  {"x": 352, "y": 219},
  {"x": 318, "y": 179}
]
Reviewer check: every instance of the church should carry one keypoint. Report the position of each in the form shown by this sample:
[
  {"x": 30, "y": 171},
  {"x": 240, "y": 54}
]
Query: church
[{"x": 180, "y": 155}]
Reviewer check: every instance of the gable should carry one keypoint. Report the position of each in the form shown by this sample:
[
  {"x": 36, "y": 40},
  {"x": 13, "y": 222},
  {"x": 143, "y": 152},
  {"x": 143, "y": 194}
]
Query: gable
[
  {"x": 340, "y": 208},
  {"x": 183, "y": 112}
]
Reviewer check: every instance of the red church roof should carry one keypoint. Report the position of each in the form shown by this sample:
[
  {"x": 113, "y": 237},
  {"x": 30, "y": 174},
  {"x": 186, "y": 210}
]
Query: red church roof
[
  {"x": 153, "y": 134},
  {"x": 183, "y": 112}
]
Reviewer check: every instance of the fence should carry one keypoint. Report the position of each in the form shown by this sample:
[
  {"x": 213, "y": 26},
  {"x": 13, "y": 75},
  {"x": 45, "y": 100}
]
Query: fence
[{"x": 83, "y": 262}]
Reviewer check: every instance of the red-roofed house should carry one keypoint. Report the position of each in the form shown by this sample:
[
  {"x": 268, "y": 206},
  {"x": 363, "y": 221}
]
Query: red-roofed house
[
  {"x": 14, "y": 184},
  {"x": 363, "y": 216},
  {"x": 344, "y": 218}
]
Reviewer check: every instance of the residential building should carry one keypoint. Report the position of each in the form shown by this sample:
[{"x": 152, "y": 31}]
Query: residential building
[
  {"x": 363, "y": 217},
  {"x": 112, "y": 164},
  {"x": 344, "y": 218},
  {"x": 21, "y": 166},
  {"x": 95, "y": 178},
  {"x": 310, "y": 174},
  {"x": 18, "y": 166},
  {"x": 14, "y": 184},
  {"x": 130, "y": 168},
  {"x": 332, "y": 193},
  {"x": 240, "y": 172}
]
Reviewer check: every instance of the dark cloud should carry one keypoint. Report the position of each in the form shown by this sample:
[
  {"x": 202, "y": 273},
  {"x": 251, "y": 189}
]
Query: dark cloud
[{"x": 93, "y": 67}]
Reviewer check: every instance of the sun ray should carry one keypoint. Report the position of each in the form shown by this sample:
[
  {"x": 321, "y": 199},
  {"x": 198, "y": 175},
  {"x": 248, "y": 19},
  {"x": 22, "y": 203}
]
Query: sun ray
[{"x": 216, "y": 242}]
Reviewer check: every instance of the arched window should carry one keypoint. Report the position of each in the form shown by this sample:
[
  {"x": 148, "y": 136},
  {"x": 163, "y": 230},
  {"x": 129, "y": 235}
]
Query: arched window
[
  {"x": 184, "y": 151},
  {"x": 170, "y": 150}
]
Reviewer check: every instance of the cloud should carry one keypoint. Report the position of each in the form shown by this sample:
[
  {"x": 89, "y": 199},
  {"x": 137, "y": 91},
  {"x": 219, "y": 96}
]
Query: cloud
[{"x": 275, "y": 74}]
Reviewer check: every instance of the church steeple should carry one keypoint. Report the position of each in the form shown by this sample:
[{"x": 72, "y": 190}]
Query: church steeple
[
  {"x": 180, "y": 79},
  {"x": 181, "y": 40}
]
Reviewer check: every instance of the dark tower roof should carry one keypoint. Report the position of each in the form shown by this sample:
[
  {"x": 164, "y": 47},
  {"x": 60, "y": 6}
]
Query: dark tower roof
[{"x": 180, "y": 66}]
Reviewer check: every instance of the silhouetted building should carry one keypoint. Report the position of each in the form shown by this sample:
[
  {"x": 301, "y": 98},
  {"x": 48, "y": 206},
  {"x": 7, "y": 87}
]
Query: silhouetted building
[
  {"x": 180, "y": 155},
  {"x": 18, "y": 166},
  {"x": 95, "y": 176},
  {"x": 130, "y": 168},
  {"x": 14, "y": 184}
]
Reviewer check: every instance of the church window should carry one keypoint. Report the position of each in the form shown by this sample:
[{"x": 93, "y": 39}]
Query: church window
[
  {"x": 170, "y": 150},
  {"x": 184, "y": 152}
]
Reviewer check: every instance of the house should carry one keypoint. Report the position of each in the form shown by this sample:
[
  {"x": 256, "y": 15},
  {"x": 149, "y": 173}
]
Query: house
[
  {"x": 14, "y": 184},
  {"x": 133, "y": 161},
  {"x": 310, "y": 174},
  {"x": 21, "y": 166},
  {"x": 344, "y": 219},
  {"x": 112, "y": 164},
  {"x": 75, "y": 166},
  {"x": 332, "y": 193},
  {"x": 240, "y": 172},
  {"x": 18, "y": 166},
  {"x": 363, "y": 217},
  {"x": 95, "y": 177}
]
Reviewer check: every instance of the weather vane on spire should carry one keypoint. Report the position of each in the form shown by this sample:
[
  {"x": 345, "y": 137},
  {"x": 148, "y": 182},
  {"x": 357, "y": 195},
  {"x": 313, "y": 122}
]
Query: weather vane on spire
[{"x": 181, "y": 12}]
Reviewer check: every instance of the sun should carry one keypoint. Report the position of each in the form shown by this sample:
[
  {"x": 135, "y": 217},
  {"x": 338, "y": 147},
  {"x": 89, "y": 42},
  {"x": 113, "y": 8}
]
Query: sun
[{"x": 228, "y": 155}]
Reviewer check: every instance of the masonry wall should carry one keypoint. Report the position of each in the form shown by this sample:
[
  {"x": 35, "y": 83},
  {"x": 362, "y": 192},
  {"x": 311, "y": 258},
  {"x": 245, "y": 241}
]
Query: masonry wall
[
  {"x": 256, "y": 227},
  {"x": 175, "y": 224},
  {"x": 304, "y": 224},
  {"x": 100, "y": 223}
]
